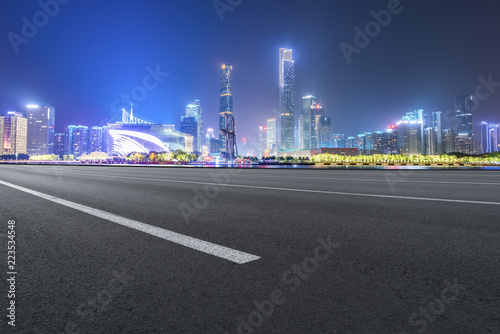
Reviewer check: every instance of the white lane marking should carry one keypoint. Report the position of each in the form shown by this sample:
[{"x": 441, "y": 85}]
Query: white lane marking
[
  {"x": 402, "y": 180},
  {"x": 184, "y": 240},
  {"x": 296, "y": 190}
]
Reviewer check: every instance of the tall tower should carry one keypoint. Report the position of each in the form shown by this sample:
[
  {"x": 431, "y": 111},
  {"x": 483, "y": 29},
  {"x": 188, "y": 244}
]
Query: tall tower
[
  {"x": 287, "y": 99},
  {"x": 227, "y": 127},
  {"x": 437, "y": 124},
  {"x": 464, "y": 137},
  {"x": 308, "y": 102},
  {"x": 226, "y": 101},
  {"x": 41, "y": 121}
]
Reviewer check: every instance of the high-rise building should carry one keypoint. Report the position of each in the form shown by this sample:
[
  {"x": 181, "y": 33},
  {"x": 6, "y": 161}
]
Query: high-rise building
[
  {"x": 308, "y": 102},
  {"x": 195, "y": 110},
  {"x": 189, "y": 126},
  {"x": 214, "y": 145},
  {"x": 464, "y": 138},
  {"x": 350, "y": 142},
  {"x": 360, "y": 143},
  {"x": 317, "y": 114},
  {"x": 390, "y": 141},
  {"x": 262, "y": 142},
  {"x": 41, "y": 121},
  {"x": 272, "y": 134},
  {"x": 410, "y": 133},
  {"x": 326, "y": 132},
  {"x": 485, "y": 138},
  {"x": 495, "y": 137},
  {"x": 437, "y": 124},
  {"x": 13, "y": 133},
  {"x": 226, "y": 102},
  {"x": 338, "y": 141},
  {"x": 96, "y": 139},
  {"x": 448, "y": 141},
  {"x": 60, "y": 144},
  {"x": 376, "y": 141},
  {"x": 287, "y": 98},
  {"x": 210, "y": 134},
  {"x": 430, "y": 141},
  {"x": 77, "y": 140}
]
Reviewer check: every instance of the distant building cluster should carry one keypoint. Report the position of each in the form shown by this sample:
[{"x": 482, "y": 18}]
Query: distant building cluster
[{"x": 416, "y": 132}]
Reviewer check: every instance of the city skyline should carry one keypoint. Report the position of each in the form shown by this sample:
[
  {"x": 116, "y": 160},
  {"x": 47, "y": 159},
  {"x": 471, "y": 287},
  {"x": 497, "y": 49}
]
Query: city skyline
[{"x": 375, "y": 88}]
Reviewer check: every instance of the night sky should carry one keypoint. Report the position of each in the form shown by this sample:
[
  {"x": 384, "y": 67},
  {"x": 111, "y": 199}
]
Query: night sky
[{"x": 91, "y": 52}]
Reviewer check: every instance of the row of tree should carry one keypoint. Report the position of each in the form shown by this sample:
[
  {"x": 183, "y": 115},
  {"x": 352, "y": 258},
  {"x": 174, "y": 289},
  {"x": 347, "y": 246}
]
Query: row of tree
[
  {"x": 491, "y": 159},
  {"x": 161, "y": 157}
]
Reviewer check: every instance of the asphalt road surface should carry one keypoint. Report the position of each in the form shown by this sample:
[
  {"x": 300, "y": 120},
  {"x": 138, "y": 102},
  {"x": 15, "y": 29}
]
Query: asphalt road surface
[{"x": 198, "y": 250}]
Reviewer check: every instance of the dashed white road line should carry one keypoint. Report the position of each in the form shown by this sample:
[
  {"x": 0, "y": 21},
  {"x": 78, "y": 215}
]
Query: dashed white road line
[{"x": 184, "y": 240}]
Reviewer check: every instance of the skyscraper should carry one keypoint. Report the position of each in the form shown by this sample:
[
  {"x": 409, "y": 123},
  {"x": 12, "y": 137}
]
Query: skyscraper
[
  {"x": 262, "y": 142},
  {"x": 272, "y": 133},
  {"x": 338, "y": 141},
  {"x": 326, "y": 132},
  {"x": 485, "y": 138},
  {"x": 437, "y": 124},
  {"x": 13, "y": 133},
  {"x": 305, "y": 122},
  {"x": 209, "y": 136},
  {"x": 226, "y": 102},
  {"x": 464, "y": 138},
  {"x": 448, "y": 141},
  {"x": 96, "y": 140},
  {"x": 41, "y": 121},
  {"x": 317, "y": 114},
  {"x": 60, "y": 144},
  {"x": 430, "y": 141},
  {"x": 287, "y": 98},
  {"x": 77, "y": 140},
  {"x": 409, "y": 131},
  {"x": 194, "y": 110}
]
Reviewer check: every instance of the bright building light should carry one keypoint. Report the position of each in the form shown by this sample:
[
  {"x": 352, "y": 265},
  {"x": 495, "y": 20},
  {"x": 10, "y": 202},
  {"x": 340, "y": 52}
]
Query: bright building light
[{"x": 33, "y": 106}]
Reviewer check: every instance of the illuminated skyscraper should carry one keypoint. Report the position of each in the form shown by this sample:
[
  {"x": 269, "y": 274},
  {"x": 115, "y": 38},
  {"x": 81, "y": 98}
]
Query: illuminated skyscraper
[
  {"x": 60, "y": 144},
  {"x": 489, "y": 137},
  {"x": 272, "y": 133},
  {"x": 430, "y": 141},
  {"x": 77, "y": 140},
  {"x": 464, "y": 139},
  {"x": 96, "y": 140},
  {"x": 308, "y": 102},
  {"x": 226, "y": 102},
  {"x": 326, "y": 132},
  {"x": 317, "y": 115},
  {"x": 448, "y": 141},
  {"x": 410, "y": 133},
  {"x": 262, "y": 142},
  {"x": 41, "y": 121},
  {"x": 194, "y": 110},
  {"x": 338, "y": 141},
  {"x": 13, "y": 133},
  {"x": 287, "y": 99},
  {"x": 437, "y": 124}
]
